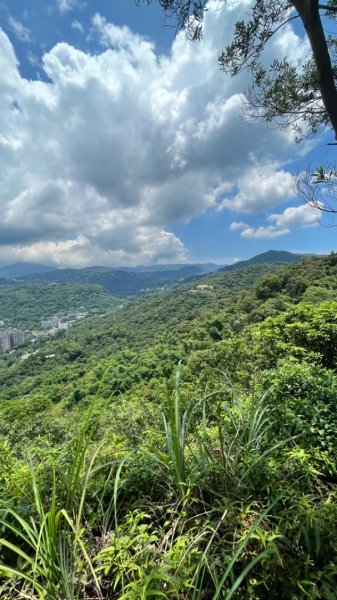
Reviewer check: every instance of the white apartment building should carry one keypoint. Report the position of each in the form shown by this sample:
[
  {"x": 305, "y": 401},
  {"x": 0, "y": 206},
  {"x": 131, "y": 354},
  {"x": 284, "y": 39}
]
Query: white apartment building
[{"x": 50, "y": 322}]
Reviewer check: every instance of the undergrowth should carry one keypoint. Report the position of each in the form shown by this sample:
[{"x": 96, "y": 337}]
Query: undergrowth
[{"x": 210, "y": 508}]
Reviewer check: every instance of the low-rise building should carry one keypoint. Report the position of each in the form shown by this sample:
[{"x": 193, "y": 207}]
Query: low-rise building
[
  {"x": 49, "y": 322},
  {"x": 55, "y": 322},
  {"x": 204, "y": 288},
  {"x": 76, "y": 316}
]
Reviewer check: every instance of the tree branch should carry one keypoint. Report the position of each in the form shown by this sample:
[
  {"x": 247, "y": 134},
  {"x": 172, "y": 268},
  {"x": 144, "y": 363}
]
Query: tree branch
[
  {"x": 328, "y": 8},
  {"x": 308, "y": 11},
  {"x": 318, "y": 189}
]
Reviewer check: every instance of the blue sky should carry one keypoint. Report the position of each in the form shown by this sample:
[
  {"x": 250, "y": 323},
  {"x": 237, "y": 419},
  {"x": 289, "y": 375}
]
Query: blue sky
[{"x": 122, "y": 143}]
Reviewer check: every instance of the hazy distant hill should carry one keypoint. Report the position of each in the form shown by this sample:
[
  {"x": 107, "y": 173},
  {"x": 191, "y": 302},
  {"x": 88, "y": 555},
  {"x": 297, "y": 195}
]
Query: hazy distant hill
[
  {"x": 272, "y": 256},
  {"x": 202, "y": 268},
  {"x": 134, "y": 281},
  {"x": 124, "y": 282},
  {"x": 20, "y": 269}
]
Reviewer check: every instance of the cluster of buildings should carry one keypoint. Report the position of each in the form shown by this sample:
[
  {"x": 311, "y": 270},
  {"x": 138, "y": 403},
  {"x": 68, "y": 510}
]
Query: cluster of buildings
[
  {"x": 10, "y": 338},
  {"x": 49, "y": 325},
  {"x": 61, "y": 323},
  {"x": 53, "y": 323}
]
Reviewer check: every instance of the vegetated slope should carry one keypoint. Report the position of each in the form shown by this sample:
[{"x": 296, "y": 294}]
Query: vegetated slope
[
  {"x": 148, "y": 337},
  {"x": 238, "y": 493},
  {"x": 23, "y": 305},
  {"x": 145, "y": 338}
]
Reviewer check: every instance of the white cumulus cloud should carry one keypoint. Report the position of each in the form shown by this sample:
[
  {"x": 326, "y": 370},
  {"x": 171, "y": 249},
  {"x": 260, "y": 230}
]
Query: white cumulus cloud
[
  {"x": 300, "y": 216},
  {"x": 237, "y": 225},
  {"x": 268, "y": 232},
  {"x": 259, "y": 188},
  {"x": 281, "y": 223},
  {"x": 102, "y": 158}
]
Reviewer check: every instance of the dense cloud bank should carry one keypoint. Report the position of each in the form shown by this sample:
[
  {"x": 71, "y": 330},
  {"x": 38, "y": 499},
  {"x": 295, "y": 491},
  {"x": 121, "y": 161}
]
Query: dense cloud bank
[{"x": 101, "y": 158}]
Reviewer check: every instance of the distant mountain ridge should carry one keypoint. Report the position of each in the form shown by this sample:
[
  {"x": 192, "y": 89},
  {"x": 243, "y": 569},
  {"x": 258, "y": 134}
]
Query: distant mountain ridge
[
  {"x": 21, "y": 269},
  {"x": 203, "y": 267},
  {"x": 271, "y": 256},
  {"x": 120, "y": 282},
  {"x": 134, "y": 281}
]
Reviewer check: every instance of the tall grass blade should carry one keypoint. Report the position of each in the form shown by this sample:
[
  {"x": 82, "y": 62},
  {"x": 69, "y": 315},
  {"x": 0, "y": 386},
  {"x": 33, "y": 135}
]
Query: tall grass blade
[{"x": 237, "y": 555}]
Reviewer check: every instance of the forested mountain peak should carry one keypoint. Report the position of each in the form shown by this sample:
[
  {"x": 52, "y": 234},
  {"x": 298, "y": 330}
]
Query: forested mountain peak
[{"x": 271, "y": 256}]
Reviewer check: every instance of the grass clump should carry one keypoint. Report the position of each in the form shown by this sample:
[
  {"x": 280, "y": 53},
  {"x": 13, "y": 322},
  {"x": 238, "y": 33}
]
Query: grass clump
[{"x": 75, "y": 543}]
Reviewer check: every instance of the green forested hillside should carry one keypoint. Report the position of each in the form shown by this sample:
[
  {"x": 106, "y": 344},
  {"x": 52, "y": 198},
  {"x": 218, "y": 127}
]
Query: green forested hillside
[
  {"x": 168, "y": 322},
  {"x": 23, "y": 305},
  {"x": 214, "y": 479}
]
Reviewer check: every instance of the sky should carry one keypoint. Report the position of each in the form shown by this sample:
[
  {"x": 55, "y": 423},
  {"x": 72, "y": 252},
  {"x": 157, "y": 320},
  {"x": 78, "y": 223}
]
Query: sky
[{"x": 122, "y": 143}]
